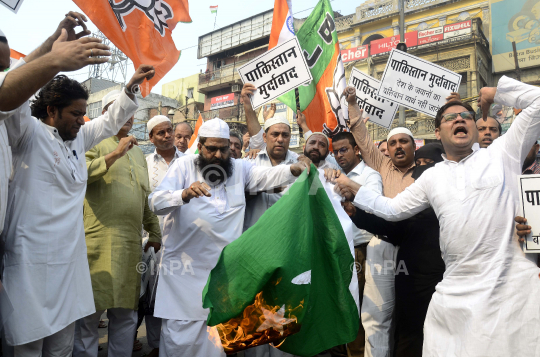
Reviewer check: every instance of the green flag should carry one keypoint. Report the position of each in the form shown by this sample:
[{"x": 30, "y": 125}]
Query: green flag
[{"x": 297, "y": 255}]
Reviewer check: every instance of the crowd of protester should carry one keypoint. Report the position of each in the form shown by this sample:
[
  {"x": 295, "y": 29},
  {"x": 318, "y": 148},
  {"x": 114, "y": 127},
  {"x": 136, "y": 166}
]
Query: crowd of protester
[{"x": 441, "y": 271}]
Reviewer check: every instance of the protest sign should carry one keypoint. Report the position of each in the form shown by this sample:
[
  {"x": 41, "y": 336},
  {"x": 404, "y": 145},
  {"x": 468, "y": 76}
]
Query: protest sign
[
  {"x": 276, "y": 72},
  {"x": 380, "y": 111},
  {"x": 13, "y": 5},
  {"x": 416, "y": 83},
  {"x": 529, "y": 199}
]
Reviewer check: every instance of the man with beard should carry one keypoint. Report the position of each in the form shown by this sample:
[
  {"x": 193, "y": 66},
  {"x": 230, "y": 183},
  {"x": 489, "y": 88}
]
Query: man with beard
[
  {"x": 115, "y": 208},
  {"x": 158, "y": 163},
  {"x": 347, "y": 155},
  {"x": 182, "y": 135},
  {"x": 396, "y": 172},
  {"x": 203, "y": 198},
  {"x": 46, "y": 271},
  {"x": 488, "y": 130},
  {"x": 489, "y": 293}
]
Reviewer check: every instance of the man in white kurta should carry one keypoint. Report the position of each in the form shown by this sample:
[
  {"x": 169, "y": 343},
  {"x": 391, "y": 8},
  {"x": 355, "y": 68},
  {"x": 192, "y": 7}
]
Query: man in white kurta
[
  {"x": 157, "y": 168},
  {"x": 487, "y": 303},
  {"x": 46, "y": 270},
  {"x": 201, "y": 220}
]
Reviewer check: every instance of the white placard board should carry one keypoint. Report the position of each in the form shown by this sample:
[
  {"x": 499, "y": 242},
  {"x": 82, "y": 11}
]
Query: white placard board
[
  {"x": 13, "y": 5},
  {"x": 529, "y": 200},
  {"x": 416, "y": 83},
  {"x": 276, "y": 72},
  {"x": 379, "y": 110}
]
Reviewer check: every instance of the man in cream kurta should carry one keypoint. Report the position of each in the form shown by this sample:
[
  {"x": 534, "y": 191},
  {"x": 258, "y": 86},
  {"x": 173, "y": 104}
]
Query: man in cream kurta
[
  {"x": 46, "y": 270},
  {"x": 487, "y": 302},
  {"x": 201, "y": 220}
]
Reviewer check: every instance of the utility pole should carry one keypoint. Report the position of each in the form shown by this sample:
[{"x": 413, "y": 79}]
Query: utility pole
[
  {"x": 402, "y": 39},
  {"x": 518, "y": 71}
]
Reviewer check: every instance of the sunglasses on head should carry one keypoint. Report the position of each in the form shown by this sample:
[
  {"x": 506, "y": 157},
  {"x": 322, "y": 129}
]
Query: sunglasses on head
[{"x": 453, "y": 116}]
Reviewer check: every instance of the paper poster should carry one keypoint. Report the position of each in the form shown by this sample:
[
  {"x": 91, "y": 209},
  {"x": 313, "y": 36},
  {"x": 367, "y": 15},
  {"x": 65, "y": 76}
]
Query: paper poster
[
  {"x": 529, "y": 199},
  {"x": 380, "y": 111},
  {"x": 13, "y": 5},
  {"x": 276, "y": 72},
  {"x": 416, "y": 83}
]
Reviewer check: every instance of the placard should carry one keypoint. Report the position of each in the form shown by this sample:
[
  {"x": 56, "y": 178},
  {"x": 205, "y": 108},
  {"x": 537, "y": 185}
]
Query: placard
[
  {"x": 380, "y": 111},
  {"x": 276, "y": 72},
  {"x": 222, "y": 101},
  {"x": 13, "y": 5},
  {"x": 529, "y": 199},
  {"x": 417, "y": 83}
]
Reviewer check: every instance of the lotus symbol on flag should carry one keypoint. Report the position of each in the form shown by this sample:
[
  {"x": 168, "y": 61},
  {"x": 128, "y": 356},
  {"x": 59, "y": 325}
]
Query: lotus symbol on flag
[
  {"x": 158, "y": 11},
  {"x": 337, "y": 101}
]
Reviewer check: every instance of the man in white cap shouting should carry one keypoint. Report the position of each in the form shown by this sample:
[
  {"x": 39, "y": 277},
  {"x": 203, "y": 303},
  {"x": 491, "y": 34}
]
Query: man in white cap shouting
[
  {"x": 396, "y": 172},
  {"x": 203, "y": 197},
  {"x": 115, "y": 208}
]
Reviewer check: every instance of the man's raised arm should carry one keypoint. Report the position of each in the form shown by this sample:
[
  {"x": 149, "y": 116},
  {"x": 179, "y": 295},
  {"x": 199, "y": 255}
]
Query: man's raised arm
[
  {"x": 370, "y": 154},
  {"x": 525, "y": 129}
]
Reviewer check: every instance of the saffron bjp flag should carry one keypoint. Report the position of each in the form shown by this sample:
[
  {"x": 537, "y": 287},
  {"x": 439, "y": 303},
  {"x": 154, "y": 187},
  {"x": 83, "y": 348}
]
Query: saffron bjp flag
[
  {"x": 282, "y": 23},
  {"x": 192, "y": 145},
  {"x": 141, "y": 29},
  {"x": 322, "y": 101},
  {"x": 291, "y": 275}
]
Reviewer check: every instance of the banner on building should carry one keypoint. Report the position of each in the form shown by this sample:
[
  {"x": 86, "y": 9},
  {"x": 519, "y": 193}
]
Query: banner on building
[
  {"x": 380, "y": 111},
  {"x": 445, "y": 34},
  {"x": 276, "y": 72},
  {"x": 430, "y": 35},
  {"x": 13, "y": 5},
  {"x": 458, "y": 29},
  {"x": 222, "y": 101},
  {"x": 529, "y": 199},
  {"x": 417, "y": 83},
  {"x": 354, "y": 54},
  {"x": 515, "y": 21},
  {"x": 385, "y": 45}
]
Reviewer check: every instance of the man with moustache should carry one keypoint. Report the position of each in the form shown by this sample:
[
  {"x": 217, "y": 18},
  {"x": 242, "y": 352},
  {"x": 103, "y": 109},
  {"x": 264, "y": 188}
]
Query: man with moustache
[
  {"x": 182, "y": 135},
  {"x": 160, "y": 134},
  {"x": 115, "y": 208},
  {"x": 489, "y": 293},
  {"x": 236, "y": 145},
  {"x": 488, "y": 130},
  {"x": 203, "y": 198},
  {"x": 396, "y": 171},
  {"x": 46, "y": 273}
]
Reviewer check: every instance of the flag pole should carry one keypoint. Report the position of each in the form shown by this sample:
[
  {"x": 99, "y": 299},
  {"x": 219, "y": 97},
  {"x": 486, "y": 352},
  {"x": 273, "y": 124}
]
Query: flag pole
[
  {"x": 215, "y": 19},
  {"x": 297, "y": 98}
]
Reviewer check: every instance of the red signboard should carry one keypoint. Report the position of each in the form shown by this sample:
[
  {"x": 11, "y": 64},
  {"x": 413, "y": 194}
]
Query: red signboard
[
  {"x": 354, "y": 54},
  {"x": 222, "y": 101},
  {"x": 387, "y": 44},
  {"x": 430, "y": 35}
]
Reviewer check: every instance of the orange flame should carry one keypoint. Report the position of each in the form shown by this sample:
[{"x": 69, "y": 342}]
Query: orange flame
[{"x": 259, "y": 324}]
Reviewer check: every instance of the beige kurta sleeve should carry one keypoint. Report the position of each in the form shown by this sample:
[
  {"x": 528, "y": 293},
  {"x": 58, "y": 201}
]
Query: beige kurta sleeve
[
  {"x": 370, "y": 153},
  {"x": 95, "y": 164}
]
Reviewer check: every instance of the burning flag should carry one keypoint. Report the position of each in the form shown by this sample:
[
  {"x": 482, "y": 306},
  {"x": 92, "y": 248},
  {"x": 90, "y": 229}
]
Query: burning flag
[
  {"x": 289, "y": 279},
  {"x": 322, "y": 100},
  {"x": 140, "y": 29}
]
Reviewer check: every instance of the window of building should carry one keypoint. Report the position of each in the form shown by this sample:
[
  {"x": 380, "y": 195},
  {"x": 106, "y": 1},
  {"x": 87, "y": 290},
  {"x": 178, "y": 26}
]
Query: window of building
[
  {"x": 463, "y": 86},
  {"x": 94, "y": 110},
  {"x": 190, "y": 93}
]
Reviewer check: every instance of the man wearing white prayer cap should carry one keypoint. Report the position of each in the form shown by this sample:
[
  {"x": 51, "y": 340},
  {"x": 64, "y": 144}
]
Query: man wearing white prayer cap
[{"x": 203, "y": 198}]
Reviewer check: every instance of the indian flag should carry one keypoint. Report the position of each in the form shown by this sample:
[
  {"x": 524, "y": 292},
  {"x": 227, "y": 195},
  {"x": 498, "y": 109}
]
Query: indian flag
[
  {"x": 15, "y": 56},
  {"x": 192, "y": 146},
  {"x": 322, "y": 100},
  {"x": 213, "y": 9},
  {"x": 282, "y": 23}
]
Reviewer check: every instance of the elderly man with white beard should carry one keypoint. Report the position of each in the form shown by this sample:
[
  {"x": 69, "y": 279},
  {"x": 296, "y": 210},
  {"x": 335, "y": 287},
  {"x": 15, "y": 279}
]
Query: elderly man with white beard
[
  {"x": 203, "y": 198},
  {"x": 487, "y": 302}
]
